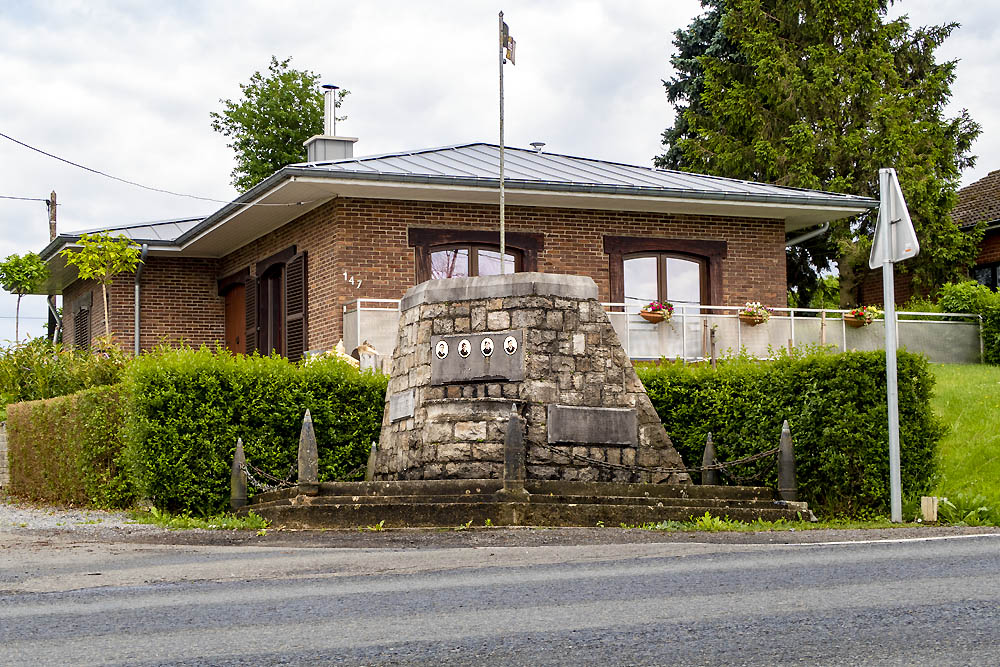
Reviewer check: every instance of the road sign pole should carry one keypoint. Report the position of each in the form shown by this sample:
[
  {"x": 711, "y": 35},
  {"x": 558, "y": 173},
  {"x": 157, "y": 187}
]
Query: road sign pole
[{"x": 888, "y": 215}]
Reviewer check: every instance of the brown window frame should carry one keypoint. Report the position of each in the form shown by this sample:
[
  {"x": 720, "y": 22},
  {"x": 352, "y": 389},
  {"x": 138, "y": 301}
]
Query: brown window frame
[
  {"x": 427, "y": 240},
  {"x": 709, "y": 253},
  {"x": 474, "y": 255},
  {"x": 661, "y": 271}
]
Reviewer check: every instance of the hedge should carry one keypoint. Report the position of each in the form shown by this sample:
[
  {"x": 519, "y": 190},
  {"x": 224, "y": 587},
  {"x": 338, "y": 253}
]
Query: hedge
[
  {"x": 187, "y": 407},
  {"x": 835, "y": 404},
  {"x": 69, "y": 449}
]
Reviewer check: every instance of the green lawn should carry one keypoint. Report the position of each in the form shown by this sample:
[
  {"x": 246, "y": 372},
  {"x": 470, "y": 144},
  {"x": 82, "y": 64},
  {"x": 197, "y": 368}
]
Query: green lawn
[{"x": 967, "y": 398}]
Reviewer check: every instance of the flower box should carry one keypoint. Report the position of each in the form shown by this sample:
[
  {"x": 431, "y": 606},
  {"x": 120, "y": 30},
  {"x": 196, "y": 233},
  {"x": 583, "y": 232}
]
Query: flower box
[
  {"x": 752, "y": 320},
  {"x": 856, "y": 322},
  {"x": 651, "y": 316}
]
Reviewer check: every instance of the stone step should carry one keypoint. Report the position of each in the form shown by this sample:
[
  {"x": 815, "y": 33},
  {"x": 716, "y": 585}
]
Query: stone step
[
  {"x": 535, "y": 499},
  {"x": 404, "y": 515}
]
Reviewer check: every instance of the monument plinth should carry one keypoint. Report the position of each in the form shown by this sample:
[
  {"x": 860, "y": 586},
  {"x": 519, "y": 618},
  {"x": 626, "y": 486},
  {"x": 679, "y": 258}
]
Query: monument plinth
[{"x": 473, "y": 351}]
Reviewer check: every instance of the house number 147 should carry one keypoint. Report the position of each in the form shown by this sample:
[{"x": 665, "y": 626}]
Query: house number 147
[{"x": 352, "y": 281}]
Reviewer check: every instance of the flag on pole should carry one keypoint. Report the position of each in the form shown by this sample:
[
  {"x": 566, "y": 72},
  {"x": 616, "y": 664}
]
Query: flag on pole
[{"x": 507, "y": 43}]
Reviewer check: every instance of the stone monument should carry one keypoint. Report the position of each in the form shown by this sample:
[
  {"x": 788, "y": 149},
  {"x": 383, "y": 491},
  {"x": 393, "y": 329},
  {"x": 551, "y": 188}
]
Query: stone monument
[{"x": 472, "y": 352}]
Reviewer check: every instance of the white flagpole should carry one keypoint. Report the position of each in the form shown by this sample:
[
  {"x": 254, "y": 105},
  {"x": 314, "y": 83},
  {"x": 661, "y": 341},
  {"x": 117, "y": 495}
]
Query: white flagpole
[{"x": 503, "y": 268}]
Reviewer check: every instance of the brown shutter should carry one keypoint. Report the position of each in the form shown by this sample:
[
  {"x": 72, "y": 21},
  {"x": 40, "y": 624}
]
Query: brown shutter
[
  {"x": 81, "y": 328},
  {"x": 250, "y": 336},
  {"x": 295, "y": 307}
]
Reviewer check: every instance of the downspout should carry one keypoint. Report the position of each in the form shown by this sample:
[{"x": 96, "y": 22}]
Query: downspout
[
  {"x": 138, "y": 275},
  {"x": 822, "y": 229}
]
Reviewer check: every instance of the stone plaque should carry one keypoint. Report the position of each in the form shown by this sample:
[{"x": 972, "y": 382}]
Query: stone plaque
[
  {"x": 598, "y": 426},
  {"x": 477, "y": 359},
  {"x": 401, "y": 405}
]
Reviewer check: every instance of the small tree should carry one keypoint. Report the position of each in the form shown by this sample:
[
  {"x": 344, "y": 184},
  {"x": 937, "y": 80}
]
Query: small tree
[
  {"x": 268, "y": 126},
  {"x": 101, "y": 257},
  {"x": 22, "y": 275}
]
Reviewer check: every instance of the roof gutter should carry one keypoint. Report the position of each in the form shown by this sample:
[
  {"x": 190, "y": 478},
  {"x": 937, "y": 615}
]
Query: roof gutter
[{"x": 823, "y": 229}]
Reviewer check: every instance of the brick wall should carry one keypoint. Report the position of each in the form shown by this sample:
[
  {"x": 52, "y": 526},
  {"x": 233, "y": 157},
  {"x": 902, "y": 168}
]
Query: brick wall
[
  {"x": 179, "y": 301},
  {"x": 989, "y": 249},
  {"x": 367, "y": 239}
]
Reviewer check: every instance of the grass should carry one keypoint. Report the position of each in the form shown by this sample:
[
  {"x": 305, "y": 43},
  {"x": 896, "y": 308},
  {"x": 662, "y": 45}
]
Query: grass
[
  {"x": 186, "y": 522},
  {"x": 714, "y": 524},
  {"x": 967, "y": 398}
]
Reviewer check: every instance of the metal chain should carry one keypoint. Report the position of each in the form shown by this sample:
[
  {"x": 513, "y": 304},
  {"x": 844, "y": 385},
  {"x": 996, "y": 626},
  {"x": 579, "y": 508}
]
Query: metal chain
[
  {"x": 276, "y": 482},
  {"x": 666, "y": 471},
  {"x": 742, "y": 480}
]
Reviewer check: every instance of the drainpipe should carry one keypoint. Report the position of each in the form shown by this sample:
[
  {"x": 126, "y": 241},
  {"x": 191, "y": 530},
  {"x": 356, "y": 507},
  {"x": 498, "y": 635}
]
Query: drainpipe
[
  {"x": 138, "y": 275},
  {"x": 823, "y": 229}
]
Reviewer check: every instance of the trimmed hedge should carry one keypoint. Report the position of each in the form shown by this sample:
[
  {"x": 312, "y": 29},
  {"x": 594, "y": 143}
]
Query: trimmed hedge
[
  {"x": 835, "y": 404},
  {"x": 187, "y": 407},
  {"x": 69, "y": 449}
]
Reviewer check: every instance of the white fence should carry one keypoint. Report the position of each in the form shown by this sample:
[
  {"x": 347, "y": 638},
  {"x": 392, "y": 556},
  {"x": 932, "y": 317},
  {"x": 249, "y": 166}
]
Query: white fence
[{"x": 953, "y": 338}]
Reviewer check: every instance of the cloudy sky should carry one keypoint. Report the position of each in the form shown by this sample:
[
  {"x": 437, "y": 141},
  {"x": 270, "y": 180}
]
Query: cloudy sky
[{"x": 127, "y": 87}]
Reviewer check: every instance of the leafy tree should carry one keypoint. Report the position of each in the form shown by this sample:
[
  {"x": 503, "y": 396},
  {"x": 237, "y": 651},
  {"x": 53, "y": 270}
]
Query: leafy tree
[
  {"x": 276, "y": 114},
  {"x": 22, "y": 275},
  {"x": 821, "y": 94},
  {"x": 101, "y": 257}
]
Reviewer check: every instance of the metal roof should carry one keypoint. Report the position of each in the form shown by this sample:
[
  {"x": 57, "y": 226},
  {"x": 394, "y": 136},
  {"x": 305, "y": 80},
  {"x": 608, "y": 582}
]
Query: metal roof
[
  {"x": 157, "y": 231},
  {"x": 478, "y": 162}
]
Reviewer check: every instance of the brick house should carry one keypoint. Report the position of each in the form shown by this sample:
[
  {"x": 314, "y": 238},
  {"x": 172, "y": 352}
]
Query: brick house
[{"x": 278, "y": 269}]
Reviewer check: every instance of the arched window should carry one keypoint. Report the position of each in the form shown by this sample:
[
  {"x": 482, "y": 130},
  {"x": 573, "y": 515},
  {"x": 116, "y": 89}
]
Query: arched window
[
  {"x": 682, "y": 271},
  {"x": 459, "y": 253},
  {"x": 663, "y": 277},
  {"x": 461, "y": 261}
]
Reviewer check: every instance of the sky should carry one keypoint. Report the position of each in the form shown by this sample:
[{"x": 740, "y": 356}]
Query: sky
[{"x": 127, "y": 87}]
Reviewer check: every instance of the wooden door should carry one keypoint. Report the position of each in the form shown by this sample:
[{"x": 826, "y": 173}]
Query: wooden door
[{"x": 236, "y": 319}]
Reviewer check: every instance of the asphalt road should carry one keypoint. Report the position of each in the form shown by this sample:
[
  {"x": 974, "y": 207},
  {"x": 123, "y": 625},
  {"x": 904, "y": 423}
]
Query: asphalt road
[{"x": 920, "y": 602}]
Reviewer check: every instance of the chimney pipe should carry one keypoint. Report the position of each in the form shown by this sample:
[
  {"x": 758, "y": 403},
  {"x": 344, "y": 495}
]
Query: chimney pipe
[
  {"x": 330, "y": 109},
  {"x": 328, "y": 146}
]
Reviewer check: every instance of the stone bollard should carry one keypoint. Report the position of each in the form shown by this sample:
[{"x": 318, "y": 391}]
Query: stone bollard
[
  {"x": 308, "y": 458},
  {"x": 709, "y": 477},
  {"x": 370, "y": 472},
  {"x": 787, "y": 487},
  {"x": 238, "y": 481},
  {"x": 514, "y": 455}
]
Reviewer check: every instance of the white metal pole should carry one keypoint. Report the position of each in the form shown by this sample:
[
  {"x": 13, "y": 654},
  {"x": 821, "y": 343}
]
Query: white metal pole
[
  {"x": 503, "y": 268},
  {"x": 889, "y": 298}
]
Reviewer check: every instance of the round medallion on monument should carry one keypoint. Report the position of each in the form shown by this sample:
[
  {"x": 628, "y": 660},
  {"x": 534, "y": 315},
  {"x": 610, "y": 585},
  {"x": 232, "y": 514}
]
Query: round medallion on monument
[
  {"x": 464, "y": 348},
  {"x": 510, "y": 345},
  {"x": 441, "y": 349},
  {"x": 486, "y": 347}
]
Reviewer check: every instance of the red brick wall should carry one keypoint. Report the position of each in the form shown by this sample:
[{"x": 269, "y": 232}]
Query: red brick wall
[
  {"x": 367, "y": 239},
  {"x": 989, "y": 249},
  {"x": 179, "y": 301}
]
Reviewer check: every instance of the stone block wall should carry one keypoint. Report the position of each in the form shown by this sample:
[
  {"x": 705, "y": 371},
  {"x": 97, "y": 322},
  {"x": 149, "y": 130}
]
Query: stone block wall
[
  {"x": 572, "y": 357},
  {"x": 4, "y": 463}
]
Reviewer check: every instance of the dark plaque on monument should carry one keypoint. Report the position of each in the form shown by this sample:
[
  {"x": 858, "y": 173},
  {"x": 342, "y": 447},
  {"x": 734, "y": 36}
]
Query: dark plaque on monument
[{"x": 481, "y": 357}]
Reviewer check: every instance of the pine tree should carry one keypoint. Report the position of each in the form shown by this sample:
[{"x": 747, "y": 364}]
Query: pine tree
[{"x": 821, "y": 94}]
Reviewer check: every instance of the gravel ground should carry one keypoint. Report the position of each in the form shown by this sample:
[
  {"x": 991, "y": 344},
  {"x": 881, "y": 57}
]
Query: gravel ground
[{"x": 67, "y": 525}]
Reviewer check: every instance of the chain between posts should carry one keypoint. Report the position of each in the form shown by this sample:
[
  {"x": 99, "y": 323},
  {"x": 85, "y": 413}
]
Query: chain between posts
[
  {"x": 276, "y": 482},
  {"x": 666, "y": 471}
]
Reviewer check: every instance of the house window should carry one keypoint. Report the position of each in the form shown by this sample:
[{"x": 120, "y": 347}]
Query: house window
[
  {"x": 455, "y": 253},
  {"x": 271, "y": 288},
  {"x": 986, "y": 274},
  {"x": 682, "y": 271},
  {"x": 472, "y": 260},
  {"x": 662, "y": 277}
]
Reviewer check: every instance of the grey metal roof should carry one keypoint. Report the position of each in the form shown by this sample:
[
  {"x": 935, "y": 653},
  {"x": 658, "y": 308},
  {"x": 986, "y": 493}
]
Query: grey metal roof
[
  {"x": 478, "y": 162},
  {"x": 156, "y": 231}
]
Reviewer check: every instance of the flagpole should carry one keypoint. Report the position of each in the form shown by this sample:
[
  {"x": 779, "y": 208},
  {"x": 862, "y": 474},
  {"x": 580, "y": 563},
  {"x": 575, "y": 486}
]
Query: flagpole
[{"x": 503, "y": 268}]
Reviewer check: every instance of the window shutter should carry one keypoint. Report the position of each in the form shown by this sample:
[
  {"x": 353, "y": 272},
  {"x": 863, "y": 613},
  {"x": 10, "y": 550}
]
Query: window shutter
[
  {"x": 81, "y": 328},
  {"x": 295, "y": 307},
  {"x": 250, "y": 336}
]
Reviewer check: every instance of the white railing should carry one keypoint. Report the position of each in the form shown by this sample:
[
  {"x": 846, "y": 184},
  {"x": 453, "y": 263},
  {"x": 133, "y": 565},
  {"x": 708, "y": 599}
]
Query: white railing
[{"x": 948, "y": 338}]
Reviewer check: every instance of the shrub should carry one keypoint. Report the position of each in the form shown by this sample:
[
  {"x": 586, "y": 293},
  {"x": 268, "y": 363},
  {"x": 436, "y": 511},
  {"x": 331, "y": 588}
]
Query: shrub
[
  {"x": 69, "y": 449},
  {"x": 835, "y": 404},
  {"x": 971, "y": 297},
  {"x": 39, "y": 369},
  {"x": 187, "y": 407}
]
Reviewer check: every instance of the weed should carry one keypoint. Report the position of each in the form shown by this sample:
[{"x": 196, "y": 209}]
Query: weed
[
  {"x": 465, "y": 526},
  {"x": 488, "y": 523},
  {"x": 187, "y": 522},
  {"x": 377, "y": 528}
]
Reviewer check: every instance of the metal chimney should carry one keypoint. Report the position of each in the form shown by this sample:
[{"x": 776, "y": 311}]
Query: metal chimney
[{"x": 328, "y": 146}]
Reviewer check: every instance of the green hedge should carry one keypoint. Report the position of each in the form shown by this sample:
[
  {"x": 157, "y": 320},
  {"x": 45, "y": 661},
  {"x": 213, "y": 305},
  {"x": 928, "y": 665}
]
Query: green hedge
[
  {"x": 835, "y": 404},
  {"x": 69, "y": 449},
  {"x": 187, "y": 408}
]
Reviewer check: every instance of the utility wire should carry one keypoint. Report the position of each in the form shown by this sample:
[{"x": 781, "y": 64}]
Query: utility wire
[
  {"x": 133, "y": 183},
  {"x": 24, "y": 198}
]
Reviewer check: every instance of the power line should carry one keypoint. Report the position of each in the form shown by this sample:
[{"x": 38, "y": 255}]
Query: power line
[
  {"x": 133, "y": 183},
  {"x": 24, "y": 198}
]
